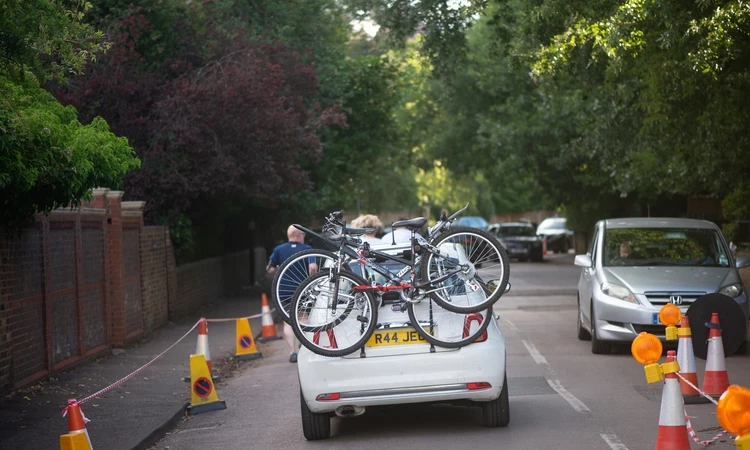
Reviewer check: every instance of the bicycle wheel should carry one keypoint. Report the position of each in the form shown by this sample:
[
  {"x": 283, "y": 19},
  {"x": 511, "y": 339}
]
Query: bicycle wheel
[
  {"x": 331, "y": 326},
  {"x": 480, "y": 266},
  {"x": 446, "y": 328},
  {"x": 291, "y": 273}
]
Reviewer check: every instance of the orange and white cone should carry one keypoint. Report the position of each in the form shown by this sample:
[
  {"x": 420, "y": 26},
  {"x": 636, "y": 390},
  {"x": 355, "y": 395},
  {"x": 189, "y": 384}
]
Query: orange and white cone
[
  {"x": 202, "y": 347},
  {"x": 268, "y": 330},
  {"x": 544, "y": 246},
  {"x": 673, "y": 433},
  {"x": 77, "y": 437},
  {"x": 686, "y": 360},
  {"x": 716, "y": 380}
]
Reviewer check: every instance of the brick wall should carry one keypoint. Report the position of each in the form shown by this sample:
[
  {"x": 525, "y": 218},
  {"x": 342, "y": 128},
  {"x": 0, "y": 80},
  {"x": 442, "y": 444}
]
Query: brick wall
[
  {"x": 83, "y": 280},
  {"x": 236, "y": 272},
  {"x": 197, "y": 283},
  {"x": 154, "y": 276}
]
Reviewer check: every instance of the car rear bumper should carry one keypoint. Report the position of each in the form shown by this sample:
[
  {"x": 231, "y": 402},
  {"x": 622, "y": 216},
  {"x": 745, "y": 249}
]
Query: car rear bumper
[
  {"x": 414, "y": 378},
  {"x": 621, "y": 321}
]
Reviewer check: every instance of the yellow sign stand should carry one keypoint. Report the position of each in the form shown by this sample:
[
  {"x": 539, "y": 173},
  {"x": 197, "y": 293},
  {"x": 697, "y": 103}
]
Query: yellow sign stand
[
  {"x": 203, "y": 396},
  {"x": 75, "y": 441},
  {"x": 246, "y": 349}
]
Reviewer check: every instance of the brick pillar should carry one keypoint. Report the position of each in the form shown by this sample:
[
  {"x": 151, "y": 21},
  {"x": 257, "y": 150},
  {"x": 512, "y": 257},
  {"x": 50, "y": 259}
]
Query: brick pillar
[
  {"x": 99, "y": 198},
  {"x": 171, "y": 275},
  {"x": 114, "y": 252},
  {"x": 6, "y": 357}
]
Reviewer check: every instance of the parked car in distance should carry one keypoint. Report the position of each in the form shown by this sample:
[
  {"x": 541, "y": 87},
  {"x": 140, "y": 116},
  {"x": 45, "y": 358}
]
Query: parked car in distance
[
  {"x": 635, "y": 266},
  {"x": 519, "y": 239},
  {"x": 472, "y": 221},
  {"x": 397, "y": 366},
  {"x": 559, "y": 237}
]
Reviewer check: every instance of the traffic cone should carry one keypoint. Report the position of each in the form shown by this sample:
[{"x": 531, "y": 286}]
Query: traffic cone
[
  {"x": 268, "y": 331},
  {"x": 686, "y": 360},
  {"x": 203, "y": 396},
  {"x": 672, "y": 434},
  {"x": 716, "y": 380},
  {"x": 202, "y": 347},
  {"x": 246, "y": 349},
  {"x": 544, "y": 246},
  {"x": 77, "y": 437}
]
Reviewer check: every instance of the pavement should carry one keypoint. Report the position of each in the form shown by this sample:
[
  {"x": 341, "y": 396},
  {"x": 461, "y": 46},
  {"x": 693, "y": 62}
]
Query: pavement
[{"x": 138, "y": 413}]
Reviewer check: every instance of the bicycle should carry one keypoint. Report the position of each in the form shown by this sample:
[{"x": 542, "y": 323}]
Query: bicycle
[{"x": 445, "y": 279}]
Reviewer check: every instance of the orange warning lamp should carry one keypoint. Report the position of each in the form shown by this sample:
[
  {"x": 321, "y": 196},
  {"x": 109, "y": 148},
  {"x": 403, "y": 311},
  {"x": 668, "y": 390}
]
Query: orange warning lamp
[
  {"x": 670, "y": 315},
  {"x": 647, "y": 349},
  {"x": 733, "y": 413}
]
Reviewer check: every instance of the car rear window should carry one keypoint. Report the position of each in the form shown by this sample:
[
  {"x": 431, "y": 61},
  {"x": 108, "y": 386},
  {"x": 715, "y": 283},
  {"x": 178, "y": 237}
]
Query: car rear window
[
  {"x": 663, "y": 247},
  {"x": 516, "y": 231}
]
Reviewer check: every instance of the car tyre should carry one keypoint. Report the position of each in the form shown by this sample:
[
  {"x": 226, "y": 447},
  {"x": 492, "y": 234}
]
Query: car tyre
[
  {"x": 537, "y": 256},
  {"x": 597, "y": 347},
  {"x": 496, "y": 413},
  {"x": 743, "y": 348},
  {"x": 583, "y": 335},
  {"x": 315, "y": 426}
]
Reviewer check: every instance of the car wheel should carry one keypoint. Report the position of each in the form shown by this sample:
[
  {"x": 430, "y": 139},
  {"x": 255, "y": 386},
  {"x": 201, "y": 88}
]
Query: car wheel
[
  {"x": 565, "y": 246},
  {"x": 597, "y": 347},
  {"x": 496, "y": 413},
  {"x": 743, "y": 348},
  {"x": 583, "y": 335},
  {"x": 315, "y": 426}
]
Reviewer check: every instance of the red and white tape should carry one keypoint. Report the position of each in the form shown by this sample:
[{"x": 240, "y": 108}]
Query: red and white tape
[
  {"x": 254, "y": 316},
  {"x": 692, "y": 433},
  {"x": 695, "y": 436},
  {"x": 138, "y": 370}
]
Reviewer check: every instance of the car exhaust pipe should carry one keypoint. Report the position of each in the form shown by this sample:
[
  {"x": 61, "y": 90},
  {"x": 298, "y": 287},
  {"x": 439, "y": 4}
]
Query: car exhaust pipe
[{"x": 350, "y": 411}]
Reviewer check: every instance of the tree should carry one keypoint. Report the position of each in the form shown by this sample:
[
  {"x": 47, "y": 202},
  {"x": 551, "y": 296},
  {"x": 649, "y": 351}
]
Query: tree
[
  {"x": 48, "y": 159},
  {"x": 367, "y": 161}
]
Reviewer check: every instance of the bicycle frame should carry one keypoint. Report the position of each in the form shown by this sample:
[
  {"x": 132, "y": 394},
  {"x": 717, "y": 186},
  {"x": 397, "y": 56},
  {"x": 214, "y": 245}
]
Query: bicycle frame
[{"x": 363, "y": 253}]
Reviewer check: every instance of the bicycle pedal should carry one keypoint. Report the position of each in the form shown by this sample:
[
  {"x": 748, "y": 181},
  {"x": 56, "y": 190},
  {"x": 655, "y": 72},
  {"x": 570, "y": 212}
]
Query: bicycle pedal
[{"x": 398, "y": 307}]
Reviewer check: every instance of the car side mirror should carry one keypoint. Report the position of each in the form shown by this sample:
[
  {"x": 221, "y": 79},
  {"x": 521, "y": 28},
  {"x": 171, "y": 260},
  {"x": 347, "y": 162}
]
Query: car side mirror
[
  {"x": 742, "y": 261},
  {"x": 583, "y": 261}
]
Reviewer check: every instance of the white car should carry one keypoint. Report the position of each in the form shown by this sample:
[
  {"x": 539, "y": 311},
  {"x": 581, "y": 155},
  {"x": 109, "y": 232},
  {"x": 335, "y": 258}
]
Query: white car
[{"x": 397, "y": 366}]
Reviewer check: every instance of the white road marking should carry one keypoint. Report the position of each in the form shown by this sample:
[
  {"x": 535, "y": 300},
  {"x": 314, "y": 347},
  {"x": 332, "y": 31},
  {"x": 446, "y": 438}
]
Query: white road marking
[
  {"x": 613, "y": 441},
  {"x": 538, "y": 357},
  {"x": 570, "y": 398},
  {"x": 511, "y": 325}
]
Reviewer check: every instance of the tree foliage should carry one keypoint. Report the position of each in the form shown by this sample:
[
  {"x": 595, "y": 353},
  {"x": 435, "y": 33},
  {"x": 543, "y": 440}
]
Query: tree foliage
[
  {"x": 606, "y": 108},
  {"x": 48, "y": 159},
  {"x": 47, "y": 38}
]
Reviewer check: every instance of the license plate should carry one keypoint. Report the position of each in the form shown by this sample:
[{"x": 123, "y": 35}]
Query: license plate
[
  {"x": 655, "y": 320},
  {"x": 400, "y": 336}
]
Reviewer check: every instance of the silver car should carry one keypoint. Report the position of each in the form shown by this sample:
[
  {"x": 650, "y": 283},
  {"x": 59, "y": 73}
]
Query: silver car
[{"x": 635, "y": 266}]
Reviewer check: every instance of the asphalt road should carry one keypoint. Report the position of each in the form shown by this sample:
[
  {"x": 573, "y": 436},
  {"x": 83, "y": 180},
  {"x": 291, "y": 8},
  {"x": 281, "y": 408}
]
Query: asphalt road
[{"x": 561, "y": 395}]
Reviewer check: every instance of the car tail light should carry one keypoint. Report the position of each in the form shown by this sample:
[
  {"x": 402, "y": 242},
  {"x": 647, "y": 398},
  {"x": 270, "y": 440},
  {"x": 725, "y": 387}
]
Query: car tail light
[
  {"x": 328, "y": 397},
  {"x": 474, "y": 317},
  {"x": 478, "y": 385}
]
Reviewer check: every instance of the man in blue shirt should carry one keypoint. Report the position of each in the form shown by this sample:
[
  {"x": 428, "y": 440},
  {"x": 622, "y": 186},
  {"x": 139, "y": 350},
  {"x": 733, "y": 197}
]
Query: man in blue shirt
[{"x": 282, "y": 252}]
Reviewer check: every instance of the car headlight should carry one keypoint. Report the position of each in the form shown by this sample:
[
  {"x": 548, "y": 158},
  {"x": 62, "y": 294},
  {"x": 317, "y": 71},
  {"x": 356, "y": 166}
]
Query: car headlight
[
  {"x": 733, "y": 290},
  {"x": 618, "y": 292}
]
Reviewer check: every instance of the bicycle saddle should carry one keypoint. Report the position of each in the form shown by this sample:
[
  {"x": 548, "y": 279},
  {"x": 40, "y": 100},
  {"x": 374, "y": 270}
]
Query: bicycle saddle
[{"x": 412, "y": 224}]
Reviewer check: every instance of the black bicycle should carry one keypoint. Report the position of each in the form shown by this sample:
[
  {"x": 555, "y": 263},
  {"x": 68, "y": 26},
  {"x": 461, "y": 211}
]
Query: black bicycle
[{"x": 447, "y": 286}]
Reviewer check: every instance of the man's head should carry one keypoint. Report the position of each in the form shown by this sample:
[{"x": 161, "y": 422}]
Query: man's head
[
  {"x": 368, "y": 221},
  {"x": 295, "y": 235}
]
